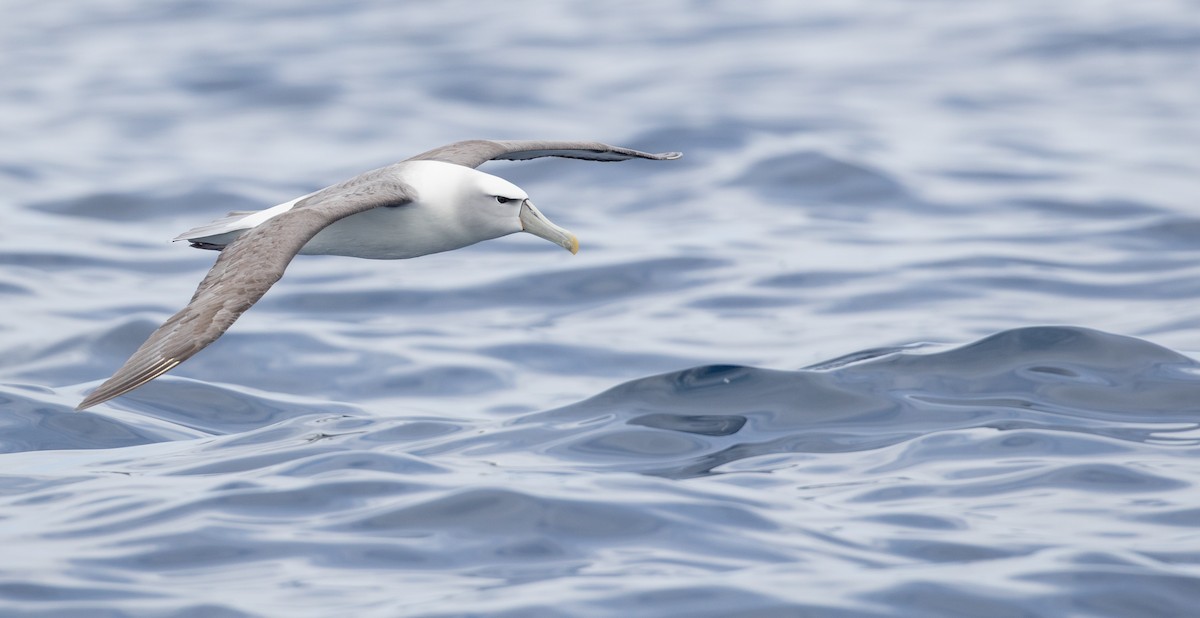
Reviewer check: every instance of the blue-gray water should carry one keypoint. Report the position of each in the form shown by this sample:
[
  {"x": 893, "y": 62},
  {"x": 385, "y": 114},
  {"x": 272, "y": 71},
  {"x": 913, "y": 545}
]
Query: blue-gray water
[{"x": 909, "y": 331}]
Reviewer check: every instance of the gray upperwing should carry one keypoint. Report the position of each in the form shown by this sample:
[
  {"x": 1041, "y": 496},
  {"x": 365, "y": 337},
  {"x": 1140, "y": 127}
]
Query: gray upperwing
[
  {"x": 244, "y": 271},
  {"x": 473, "y": 153}
]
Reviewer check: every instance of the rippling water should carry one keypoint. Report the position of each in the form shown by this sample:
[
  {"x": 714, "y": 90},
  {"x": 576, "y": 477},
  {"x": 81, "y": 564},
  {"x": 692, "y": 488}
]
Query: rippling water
[{"x": 974, "y": 227}]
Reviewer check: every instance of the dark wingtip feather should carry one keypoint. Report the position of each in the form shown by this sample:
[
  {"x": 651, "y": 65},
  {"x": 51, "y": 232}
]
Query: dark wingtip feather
[
  {"x": 120, "y": 384},
  {"x": 94, "y": 398}
]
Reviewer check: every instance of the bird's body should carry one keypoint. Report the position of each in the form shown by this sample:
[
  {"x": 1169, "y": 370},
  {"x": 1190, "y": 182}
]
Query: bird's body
[
  {"x": 427, "y": 224},
  {"x": 430, "y": 203}
]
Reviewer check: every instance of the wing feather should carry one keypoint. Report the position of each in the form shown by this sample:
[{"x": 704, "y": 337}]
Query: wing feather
[
  {"x": 244, "y": 271},
  {"x": 473, "y": 153}
]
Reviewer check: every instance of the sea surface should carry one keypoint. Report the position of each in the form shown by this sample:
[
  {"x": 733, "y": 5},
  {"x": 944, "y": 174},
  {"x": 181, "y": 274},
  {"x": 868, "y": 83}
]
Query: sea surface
[{"x": 910, "y": 330}]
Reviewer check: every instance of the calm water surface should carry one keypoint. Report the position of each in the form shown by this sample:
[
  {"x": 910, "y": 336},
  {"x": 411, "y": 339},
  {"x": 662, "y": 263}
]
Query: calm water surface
[{"x": 909, "y": 331}]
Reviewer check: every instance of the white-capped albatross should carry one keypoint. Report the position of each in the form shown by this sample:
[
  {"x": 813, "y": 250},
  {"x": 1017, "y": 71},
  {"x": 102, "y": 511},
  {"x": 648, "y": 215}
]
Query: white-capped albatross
[{"x": 435, "y": 201}]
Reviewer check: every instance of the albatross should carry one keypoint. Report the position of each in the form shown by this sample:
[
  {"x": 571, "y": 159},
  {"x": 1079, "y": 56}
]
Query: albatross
[{"x": 436, "y": 201}]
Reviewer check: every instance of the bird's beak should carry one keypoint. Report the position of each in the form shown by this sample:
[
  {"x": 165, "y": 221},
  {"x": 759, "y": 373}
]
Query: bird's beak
[{"x": 536, "y": 223}]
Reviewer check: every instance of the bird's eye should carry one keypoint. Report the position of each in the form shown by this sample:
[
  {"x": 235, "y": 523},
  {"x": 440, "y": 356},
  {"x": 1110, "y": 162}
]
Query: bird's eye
[{"x": 502, "y": 199}]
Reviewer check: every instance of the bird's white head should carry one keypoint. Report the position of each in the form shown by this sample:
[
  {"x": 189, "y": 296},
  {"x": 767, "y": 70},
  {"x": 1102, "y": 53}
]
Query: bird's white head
[{"x": 481, "y": 206}]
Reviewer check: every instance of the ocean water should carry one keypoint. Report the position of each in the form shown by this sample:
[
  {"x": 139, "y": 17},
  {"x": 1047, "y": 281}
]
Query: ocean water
[{"x": 910, "y": 330}]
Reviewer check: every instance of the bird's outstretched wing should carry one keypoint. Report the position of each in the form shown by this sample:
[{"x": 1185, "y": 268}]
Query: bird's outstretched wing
[
  {"x": 473, "y": 153},
  {"x": 244, "y": 271}
]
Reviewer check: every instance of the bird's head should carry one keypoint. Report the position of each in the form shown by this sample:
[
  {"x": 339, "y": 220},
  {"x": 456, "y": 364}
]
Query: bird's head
[{"x": 484, "y": 206}]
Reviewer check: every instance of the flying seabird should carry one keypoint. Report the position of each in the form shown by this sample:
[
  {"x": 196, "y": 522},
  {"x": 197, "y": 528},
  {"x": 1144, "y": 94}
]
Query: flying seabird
[{"x": 435, "y": 201}]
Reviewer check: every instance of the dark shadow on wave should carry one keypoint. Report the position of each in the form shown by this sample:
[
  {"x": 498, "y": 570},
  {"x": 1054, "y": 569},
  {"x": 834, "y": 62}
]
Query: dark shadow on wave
[{"x": 1048, "y": 379}]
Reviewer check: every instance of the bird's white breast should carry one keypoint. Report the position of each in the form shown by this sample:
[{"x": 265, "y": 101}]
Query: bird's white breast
[{"x": 387, "y": 234}]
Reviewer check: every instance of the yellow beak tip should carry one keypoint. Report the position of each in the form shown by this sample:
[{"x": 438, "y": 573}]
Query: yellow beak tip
[{"x": 574, "y": 248}]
